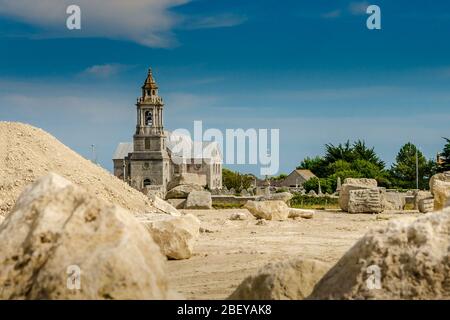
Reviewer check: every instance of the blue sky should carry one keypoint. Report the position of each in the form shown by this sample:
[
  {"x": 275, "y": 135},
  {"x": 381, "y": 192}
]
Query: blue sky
[{"x": 310, "y": 68}]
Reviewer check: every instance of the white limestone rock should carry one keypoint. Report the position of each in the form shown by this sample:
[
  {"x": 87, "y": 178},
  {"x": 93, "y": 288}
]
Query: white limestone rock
[
  {"x": 407, "y": 259},
  {"x": 57, "y": 227},
  {"x": 199, "y": 200},
  {"x": 238, "y": 216},
  {"x": 187, "y": 179},
  {"x": 353, "y": 184},
  {"x": 283, "y": 196},
  {"x": 301, "y": 213},
  {"x": 182, "y": 191},
  {"x": 287, "y": 280},
  {"x": 175, "y": 236},
  {"x": 365, "y": 201},
  {"x": 420, "y": 196},
  {"x": 269, "y": 210},
  {"x": 440, "y": 188},
  {"x": 164, "y": 206}
]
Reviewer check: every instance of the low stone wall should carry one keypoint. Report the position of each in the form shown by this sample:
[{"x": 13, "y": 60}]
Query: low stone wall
[{"x": 231, "y": 200}]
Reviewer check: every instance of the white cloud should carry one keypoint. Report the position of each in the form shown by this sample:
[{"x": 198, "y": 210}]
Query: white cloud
[
  {"x": 147, "y": 22},
  {"x": 358, "y": 8},
  {"x": 104, "y": 70},
  {"x": 219, "y": 21},
  {"x": 332, "y": 14}
]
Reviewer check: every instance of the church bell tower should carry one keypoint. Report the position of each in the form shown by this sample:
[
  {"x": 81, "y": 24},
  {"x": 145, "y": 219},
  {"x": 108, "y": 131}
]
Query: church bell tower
[{"x": 149, "y": 162}]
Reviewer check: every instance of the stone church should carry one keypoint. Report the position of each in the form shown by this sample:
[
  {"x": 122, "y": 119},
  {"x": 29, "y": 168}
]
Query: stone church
[{"x": 154, "y": 158}]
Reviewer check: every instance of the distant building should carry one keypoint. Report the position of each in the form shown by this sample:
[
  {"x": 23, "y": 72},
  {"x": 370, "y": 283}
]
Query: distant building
[
  {"x": 154, "y": 157},
  {"x": 296, "y": 178}
]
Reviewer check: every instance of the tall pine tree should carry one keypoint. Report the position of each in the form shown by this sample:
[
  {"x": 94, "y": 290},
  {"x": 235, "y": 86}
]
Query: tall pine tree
[{"x": 445, "y": 157}]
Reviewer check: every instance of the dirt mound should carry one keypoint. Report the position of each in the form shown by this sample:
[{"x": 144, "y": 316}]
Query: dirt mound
[{"x": 28, "y": 153}]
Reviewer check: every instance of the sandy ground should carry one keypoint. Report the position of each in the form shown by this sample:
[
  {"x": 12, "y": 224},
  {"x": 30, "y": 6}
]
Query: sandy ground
[{"x": 231, "y": 250}]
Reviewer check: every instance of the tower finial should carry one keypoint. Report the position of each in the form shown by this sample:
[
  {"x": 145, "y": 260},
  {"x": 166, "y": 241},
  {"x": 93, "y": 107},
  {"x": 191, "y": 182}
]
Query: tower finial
[{"x": 150, "y": 71}]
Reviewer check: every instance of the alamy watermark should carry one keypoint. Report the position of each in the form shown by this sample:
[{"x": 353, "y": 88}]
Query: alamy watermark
[
  {"x": 73, "y": 21},
  {"x": 251, "y": 146}
]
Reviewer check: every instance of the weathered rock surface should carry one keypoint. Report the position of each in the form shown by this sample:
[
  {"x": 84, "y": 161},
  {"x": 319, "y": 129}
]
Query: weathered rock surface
[
  {"x": 301, "y": 213},
  {"x": 365, "y": 201},
  {"x": 269, "y": 210},
  {"x": 56, "y": 228},
  {"x": 394, "y": 201},
  {"x": 407, "y": 259},
  {"x": 164, "y": 206},
  {"x": 238, "y": 216},
  {"x": 441, "y": 192},
  {"x": 177, "y": 203},
  {"x": 426, "y": 205},
  {"x": 182, "y": 191},
  {"x": 187, "y": 179},
  {"x": 199, "y": 200},
  {"x": 175, "y": 236},
  {"x": 1, "y": 219},
  {"x": 353, "y": 184},
  {"x": 419, "y": 196},
  {"x": 287, "y": 280},
  {"x": 283, "y": 196}
]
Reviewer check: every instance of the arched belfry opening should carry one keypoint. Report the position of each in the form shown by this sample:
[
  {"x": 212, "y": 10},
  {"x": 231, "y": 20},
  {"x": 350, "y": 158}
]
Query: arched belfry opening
[{"x": 148, "y": 118}]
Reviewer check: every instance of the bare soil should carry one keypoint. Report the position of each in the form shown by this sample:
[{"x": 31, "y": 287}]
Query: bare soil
[{"x": 229, "y": 251}]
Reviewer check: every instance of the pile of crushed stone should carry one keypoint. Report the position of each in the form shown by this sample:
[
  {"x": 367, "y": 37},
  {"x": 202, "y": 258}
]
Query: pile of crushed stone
[{"x": 27, "y": 153}]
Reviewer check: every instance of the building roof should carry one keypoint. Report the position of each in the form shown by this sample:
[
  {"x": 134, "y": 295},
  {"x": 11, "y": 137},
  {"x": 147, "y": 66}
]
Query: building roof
[
  {"x": 305, "y": 173},
  {"x": 150, "y": 82},
  {"x": 122, "y": 150}
]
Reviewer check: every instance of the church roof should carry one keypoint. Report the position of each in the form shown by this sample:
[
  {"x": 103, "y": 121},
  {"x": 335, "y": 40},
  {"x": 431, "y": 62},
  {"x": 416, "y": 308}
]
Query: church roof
[
  {"x": 122, "y": 150},
  {"x": 180, "y": 146},
  {"x": 150, "y": 82}
]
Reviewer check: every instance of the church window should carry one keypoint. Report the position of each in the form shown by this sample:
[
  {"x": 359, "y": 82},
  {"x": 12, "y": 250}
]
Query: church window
[
  {"x": 147, "y": 143},
  {"x": 148, "y": 118},
  {"x": 147, "y": 182}
]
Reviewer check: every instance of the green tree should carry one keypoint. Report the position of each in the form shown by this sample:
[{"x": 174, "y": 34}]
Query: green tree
[
  {"x": 445, "y": 156},
  {"x": 404, "y": 170},
  {"x": 235, "y": 180},
  {"x": 317, "y": 165}
]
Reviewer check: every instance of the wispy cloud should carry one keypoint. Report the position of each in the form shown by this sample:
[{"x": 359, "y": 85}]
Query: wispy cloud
[
  {"x": 147, "y": 22},
  {"x": 358, "y": 8},
  {"x": 104, "y": 70},
  {"x": 218, "y": 21},
  {"x": 332, "y": 14}
]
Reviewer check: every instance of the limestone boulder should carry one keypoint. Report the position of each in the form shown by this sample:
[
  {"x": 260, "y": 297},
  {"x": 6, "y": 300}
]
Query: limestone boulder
[
  {"x": 295, "y": 213},
  {"x": 164, "y": 206},
  {"x": 426, "y": 205},
  {"x": 61, "y": 242},
  {"x": 365, "y": 201},
  {"x": 287, "y": 280},
  {"x": 176, "y": 236},
  {"x": 441, "y": 192},
  {"x": 182, "y": 191},
  {"x": 199, "y": 200},
  {"x": 407, "y": 259},
  {"x": 353, "y": 184},
  {"x": 187, "y": 179},
  {"x": 421, "y": 195},
  {"x": 283, "y": 196},
  {"x": 238, "y": 216},
  {"x": 268, "y": 210},
  {"x": 177, "y": 203},
  {"x": 394, "y": 201}
]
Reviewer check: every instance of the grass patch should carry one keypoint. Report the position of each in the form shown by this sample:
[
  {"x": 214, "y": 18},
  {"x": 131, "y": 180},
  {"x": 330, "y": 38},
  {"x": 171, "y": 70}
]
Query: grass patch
[{"x": 228, "y": 206}]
